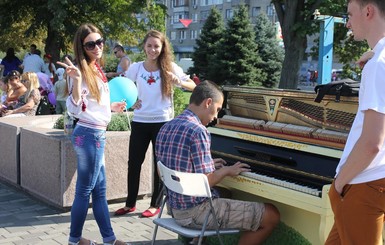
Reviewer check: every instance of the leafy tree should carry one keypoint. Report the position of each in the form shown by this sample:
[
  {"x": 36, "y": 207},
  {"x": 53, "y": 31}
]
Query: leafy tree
[
  {"x": 294, "y": 17},
  {"x": 212, "y": 32},
  {"x": 269, "y": 51},
  {"x": 236, "y": 54},
  {"x": 345, "y": 48},
  {"x": 60, "y": 19},
  {"x": 348, "y": 52}
]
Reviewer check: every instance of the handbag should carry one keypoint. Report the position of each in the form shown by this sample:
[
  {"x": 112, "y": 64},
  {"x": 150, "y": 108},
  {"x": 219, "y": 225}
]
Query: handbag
[{"x": 344, "y": 87}]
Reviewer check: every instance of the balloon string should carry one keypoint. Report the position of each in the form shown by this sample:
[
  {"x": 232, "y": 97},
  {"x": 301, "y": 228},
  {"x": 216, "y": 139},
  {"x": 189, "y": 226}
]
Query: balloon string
[{"x": 128, "y": 116}]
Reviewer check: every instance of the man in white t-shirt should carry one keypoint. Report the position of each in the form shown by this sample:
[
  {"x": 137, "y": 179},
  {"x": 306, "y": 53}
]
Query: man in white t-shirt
[
  {"x": 357, "y": 194},
  {"x": 33, "y": 63}
]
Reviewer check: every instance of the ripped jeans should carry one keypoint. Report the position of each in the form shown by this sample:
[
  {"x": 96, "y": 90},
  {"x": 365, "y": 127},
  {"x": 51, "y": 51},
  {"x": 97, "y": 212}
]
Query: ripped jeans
[{"x": 89, "y": 147}]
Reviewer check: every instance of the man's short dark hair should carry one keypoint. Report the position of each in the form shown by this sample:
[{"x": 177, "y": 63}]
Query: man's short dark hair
[
  {"x": 204, "y": 90},
  {"x": 119, "y": 47},
  {"x": 379, "y": 3}
]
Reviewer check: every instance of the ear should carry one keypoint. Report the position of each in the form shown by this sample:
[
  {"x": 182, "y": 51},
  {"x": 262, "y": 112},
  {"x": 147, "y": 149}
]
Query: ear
[
  {"x": 370, "y": 11},
  {"x": 208, "y": 102}
]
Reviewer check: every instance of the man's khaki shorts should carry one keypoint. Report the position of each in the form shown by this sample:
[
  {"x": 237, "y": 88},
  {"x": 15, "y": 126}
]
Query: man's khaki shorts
[{"x": 231, "y": 214}]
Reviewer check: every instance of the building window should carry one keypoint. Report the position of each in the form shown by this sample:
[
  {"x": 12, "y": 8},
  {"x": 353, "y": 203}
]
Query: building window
[
  {"x": 173, "y": 35},
  {"x": 179, "y": 3},
  {"x": 210, "y": 2},
  {"x": 229, "y": 13},
  {"x": 194, "y": 34},
  {"x": 195, "y": 18},
  {"x": 182, "y": 35},
  {"x": 270, "y": 10},
  {"x": 255, "y": 11},
  {"x": 179, "y": 15},
  {"x": 204, "y": 15}
]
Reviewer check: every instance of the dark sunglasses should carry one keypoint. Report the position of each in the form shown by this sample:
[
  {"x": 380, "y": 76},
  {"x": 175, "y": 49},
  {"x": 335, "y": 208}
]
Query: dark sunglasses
[{"x": 92, "y": 44}]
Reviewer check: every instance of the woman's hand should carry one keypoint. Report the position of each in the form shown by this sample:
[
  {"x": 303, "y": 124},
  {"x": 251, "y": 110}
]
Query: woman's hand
[
  {"x": 71, "y": 70},
  {"x": 118, "y": 106},
  {"x": 175, "y": 80},
  {"x": 7, "y": 112}
]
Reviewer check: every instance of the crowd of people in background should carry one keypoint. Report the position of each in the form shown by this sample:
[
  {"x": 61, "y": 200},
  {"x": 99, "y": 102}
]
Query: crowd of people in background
[
  {"x": 51, "y": 79},
  {"x": 24, "y": 83}
]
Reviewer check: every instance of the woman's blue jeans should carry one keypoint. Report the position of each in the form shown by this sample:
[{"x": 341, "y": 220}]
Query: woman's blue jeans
[{"x": 91, "y": 178}]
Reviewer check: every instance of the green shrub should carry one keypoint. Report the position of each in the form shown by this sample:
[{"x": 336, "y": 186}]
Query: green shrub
[
  {"x": 119, "y": 122},
  {"x": 179, "y": 101},
  {"x": 59, "y": 124}
]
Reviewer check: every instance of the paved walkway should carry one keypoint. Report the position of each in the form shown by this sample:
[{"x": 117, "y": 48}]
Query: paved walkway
[{"x": 25, "y": 220}]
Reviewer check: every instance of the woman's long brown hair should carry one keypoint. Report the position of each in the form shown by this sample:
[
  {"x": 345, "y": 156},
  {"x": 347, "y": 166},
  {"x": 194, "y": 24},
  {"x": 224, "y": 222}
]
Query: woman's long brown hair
[
  {"x": 164, "y": 61},
  {"x": 89, "y": 73}
]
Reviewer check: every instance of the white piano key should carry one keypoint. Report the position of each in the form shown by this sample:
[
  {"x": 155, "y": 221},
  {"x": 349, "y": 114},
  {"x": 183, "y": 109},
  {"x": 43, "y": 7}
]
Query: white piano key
[{"x": 283, "y": 183}]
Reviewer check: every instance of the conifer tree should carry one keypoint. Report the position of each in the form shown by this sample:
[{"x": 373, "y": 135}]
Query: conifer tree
[
  {"x": 212, "y": 32},
  {"x": 236, "y": 55},
  {"x": 268, "y": 49}
]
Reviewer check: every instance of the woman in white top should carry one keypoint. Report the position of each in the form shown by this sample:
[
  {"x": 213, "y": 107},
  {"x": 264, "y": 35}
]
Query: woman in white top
[
  {"x": 155, "y": 78},
  {"x": 89, "y": 101}
]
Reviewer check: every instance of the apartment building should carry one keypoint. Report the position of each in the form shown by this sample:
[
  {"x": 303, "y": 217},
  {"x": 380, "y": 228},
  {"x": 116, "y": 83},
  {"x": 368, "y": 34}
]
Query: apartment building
[{"x": 187, "y": 17}]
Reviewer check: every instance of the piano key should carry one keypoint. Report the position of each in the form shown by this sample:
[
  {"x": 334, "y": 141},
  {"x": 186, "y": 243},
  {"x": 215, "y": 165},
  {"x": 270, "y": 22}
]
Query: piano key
[{"x": 283, "y": 183}]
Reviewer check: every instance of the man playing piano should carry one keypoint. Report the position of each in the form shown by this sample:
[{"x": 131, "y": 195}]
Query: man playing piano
[
  {"x": 357, "y": 194},
  {"x": 183, "y": 144}
]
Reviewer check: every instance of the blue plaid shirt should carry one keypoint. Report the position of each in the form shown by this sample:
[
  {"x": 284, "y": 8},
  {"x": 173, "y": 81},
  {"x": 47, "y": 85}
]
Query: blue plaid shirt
[{"x": 183, "y": 144}]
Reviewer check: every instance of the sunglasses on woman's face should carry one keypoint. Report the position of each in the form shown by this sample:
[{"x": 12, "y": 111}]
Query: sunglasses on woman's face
[{"x": 92, "y": 44}]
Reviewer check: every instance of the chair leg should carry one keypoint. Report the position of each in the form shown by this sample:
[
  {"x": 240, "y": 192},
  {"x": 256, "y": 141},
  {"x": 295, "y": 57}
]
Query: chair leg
[{"x": 154, "y": 235}]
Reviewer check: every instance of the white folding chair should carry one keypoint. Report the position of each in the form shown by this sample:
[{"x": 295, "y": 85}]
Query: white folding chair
[{"x": 190, "y": 184}]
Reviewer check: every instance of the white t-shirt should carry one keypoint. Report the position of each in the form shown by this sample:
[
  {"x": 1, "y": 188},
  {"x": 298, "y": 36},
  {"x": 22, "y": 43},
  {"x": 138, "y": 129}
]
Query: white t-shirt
[
  {"x": 33, "y": 63},
  {"x": 371, "y": 96},
  {"x": 155, "y": 108}
]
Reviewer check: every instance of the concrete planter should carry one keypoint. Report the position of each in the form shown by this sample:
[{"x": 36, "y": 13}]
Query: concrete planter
[
  {"x": 46, "y": 163},
  {"x": 10, "y": 142}
]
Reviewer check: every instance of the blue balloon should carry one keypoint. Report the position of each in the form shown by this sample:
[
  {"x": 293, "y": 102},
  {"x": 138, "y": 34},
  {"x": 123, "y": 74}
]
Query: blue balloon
[{"x": 123, "y": 89}]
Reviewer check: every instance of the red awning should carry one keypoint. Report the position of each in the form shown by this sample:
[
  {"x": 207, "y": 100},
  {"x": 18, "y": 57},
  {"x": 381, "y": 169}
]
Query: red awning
[{"x": 185, "y": 22}]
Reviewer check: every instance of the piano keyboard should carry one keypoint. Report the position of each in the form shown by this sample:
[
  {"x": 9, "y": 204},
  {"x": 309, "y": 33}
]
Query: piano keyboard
[
  {"x": 283, "y": 183},
  {"x": 275, "y": 176}
]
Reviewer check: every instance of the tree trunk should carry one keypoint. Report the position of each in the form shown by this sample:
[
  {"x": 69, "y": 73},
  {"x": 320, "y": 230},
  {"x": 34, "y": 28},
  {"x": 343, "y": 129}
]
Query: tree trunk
[
  {"x": 53, "y": 44},
  {"x": 294, "y": 52}
]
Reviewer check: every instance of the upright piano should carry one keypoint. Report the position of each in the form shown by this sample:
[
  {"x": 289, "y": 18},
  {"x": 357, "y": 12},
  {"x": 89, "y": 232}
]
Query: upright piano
[{"x": 293, "y": 146}]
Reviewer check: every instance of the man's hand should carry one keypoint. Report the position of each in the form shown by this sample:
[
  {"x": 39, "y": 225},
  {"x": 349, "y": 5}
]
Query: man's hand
[
  {"x": 364, "y": 58},
  {"x": 219, "y": 163},
  {"x": 238, "y": 168}
]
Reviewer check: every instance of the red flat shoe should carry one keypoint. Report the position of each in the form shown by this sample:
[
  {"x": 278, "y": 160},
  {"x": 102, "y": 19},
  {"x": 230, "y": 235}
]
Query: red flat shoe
[
  {"x": 122, "y": 211},
  {"x": 148, "y": 214}
]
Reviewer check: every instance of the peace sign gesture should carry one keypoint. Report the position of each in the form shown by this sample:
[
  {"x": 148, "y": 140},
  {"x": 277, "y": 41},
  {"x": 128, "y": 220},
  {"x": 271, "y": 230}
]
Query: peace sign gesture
[{"x": 71, "y": 70}]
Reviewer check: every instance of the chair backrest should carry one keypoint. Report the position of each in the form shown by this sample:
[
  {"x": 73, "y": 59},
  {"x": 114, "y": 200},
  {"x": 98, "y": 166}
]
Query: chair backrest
[{"x": 189, "y": 184}]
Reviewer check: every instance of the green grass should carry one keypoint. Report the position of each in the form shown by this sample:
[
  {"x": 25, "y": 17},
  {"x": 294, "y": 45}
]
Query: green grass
[
  {"x": 186, "y": 97},
  {"x": 283, "y": 234}
]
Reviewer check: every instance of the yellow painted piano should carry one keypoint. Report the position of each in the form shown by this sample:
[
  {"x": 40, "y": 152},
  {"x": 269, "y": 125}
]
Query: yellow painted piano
[{"x": 292, "y": 145}]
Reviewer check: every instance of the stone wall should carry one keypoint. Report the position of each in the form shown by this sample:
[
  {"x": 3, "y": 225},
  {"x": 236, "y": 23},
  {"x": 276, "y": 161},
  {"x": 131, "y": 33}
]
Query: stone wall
[{"x": 45, "y": 165}]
